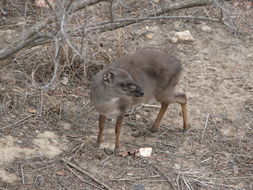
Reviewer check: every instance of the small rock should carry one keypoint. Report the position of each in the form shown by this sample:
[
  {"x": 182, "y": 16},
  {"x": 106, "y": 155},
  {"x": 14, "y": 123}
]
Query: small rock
[
  {"x": 174, "y": 40},
  {"x": 184, "y": 36},
  {"x": 156, "y": 1},
  {"x": 139, "y": 187},
  {"x": 206, "y": 28},
  {"x": 250, "y": 55},
  {"x": 145, "y": 152},
  {"x": 228, "y": 132},
  {"x": 19, "y": 141},
  {"x": 138, "y": 116},
  {"x": 136, "y": 134},
  {"x": 236, "y": 170},
  {"x": 177, "y": 166},
  {"x": 107, "y": 146},
  {"x": 66, "y": 126},
  {"x": 149, "y": 36},
  {"x": 65, "y": 81}
]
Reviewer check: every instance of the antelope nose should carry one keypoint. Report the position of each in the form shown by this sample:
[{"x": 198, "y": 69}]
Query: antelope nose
[{"x": 140, "y": 93}]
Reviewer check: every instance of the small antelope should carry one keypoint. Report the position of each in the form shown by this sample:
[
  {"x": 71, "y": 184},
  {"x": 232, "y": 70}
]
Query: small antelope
[{"x": 134, "y": 79}]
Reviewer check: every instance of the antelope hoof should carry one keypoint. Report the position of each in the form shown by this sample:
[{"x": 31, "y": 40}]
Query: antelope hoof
[
  {"x": 154, "y": 129},
  {"x": 97, "y": 145},
  {"x": 116, "y": 151},
  {"x": 186, "y": 128}
]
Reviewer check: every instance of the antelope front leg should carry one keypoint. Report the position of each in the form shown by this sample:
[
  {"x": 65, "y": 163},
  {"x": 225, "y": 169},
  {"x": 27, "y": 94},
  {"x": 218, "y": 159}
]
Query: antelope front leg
[
  {"x": 101, "y": 124},
  {"x": 117, "y": 130},
  {"x": 185, "y": 116}
]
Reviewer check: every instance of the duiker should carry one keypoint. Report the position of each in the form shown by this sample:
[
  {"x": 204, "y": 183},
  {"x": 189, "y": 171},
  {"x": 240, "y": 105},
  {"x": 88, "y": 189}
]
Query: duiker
[{"x": 134, "y": 79}]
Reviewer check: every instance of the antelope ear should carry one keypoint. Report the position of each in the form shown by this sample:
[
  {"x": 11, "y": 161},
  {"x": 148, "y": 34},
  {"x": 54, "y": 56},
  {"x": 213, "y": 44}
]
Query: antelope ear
[{"x": 108, "y": 77}]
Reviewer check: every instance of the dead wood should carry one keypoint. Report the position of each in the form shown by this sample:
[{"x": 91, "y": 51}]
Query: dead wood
[
  {"x": 86, "y": 173},
  {"x": 32, "y": 38},
  {"x": 170, "y": 8}
]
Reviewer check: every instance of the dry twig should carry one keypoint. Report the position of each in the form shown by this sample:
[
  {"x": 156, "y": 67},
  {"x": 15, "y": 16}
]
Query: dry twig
[
  {"x": 56, "y": 64},
  {"x": 17, "y": 122},
  {"x": 22, "y": 175},
  {"x": 207, "y": 117},
  {"x": 86, "y": 103},
  {"x": 32, "y": 38},
  {"x": 79, "y": 177},
  {"x": 166, "y": 9},
  {"x": 151, "y": 106},
  {"x": 34, "y": 183},
  {"x": 139, "y": 19},
  {"x": 164, "y": 175},
  {"x": 86, "y": 173}
]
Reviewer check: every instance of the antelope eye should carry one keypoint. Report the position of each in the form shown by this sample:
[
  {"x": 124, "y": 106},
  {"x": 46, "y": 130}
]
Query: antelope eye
[{"x": 124, "y": 85}]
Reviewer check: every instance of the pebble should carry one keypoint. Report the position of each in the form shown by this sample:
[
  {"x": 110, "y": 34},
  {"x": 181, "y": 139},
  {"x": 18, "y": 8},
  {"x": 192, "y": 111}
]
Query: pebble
[{"x": 206, "y": 28}]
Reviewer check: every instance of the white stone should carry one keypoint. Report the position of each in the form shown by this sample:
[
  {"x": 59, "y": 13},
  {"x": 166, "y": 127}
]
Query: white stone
[
  {"x": 177, "y": 166},
  {"x": 66, "y": 126},
  {"x": 206, "y": 28},
  {"x": 145, "y": 152},
  {"x": 65, "y": 81},
  {"x": 174, "y": 40},
  {"x": 184, "y": 36}
]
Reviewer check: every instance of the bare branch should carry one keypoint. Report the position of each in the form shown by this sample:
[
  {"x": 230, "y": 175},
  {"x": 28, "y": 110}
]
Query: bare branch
[
  {"x": 77, "y": 6},
  {"x": 29, "y": 38},
  {"x": 207, "y": 117},
  {"x": 139, "y": 19},
  {"x": 167, "y": 9},
  {"x": 17, "y": 122},
  {"x": 69, "y": 4},
  {"x": 86, "y": 173},
  {"x": 111, "y": 11},
  {"x": 49, "y": 5},
  {"x": 24, "y": 41},
  {"x": 14, "y": 48},
  {"x": 56, "y": 64}
]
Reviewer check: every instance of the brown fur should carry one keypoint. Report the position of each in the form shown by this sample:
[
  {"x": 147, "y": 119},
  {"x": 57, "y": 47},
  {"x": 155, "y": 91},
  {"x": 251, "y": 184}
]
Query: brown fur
[{"x": 151, "y": 72}]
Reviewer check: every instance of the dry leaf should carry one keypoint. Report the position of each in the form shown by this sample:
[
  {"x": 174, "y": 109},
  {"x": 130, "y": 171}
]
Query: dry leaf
[
  {"x": 249, "y": 5},
  {"x": 42, "y": 3},
  {"x": 124, "y": 154},
  {"x": 235, "y": 3},
  {"x": 32, "y": 111},
  {"x": 60, "y": 173}
]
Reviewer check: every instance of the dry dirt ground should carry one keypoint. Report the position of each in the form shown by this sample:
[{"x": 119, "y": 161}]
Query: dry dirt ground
[{"x": 41, "y": 129}]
